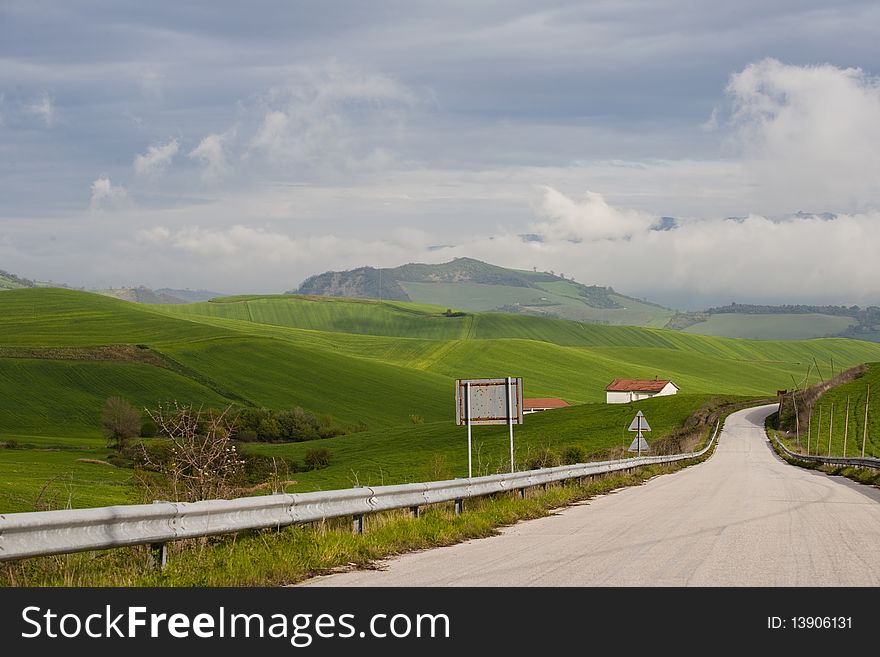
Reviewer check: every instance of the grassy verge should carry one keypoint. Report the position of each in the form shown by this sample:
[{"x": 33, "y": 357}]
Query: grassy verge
[
  {"x": 860, "y": 475},
  {"x": 272, "y": 557},
  {"x": 276, "y": 557}
]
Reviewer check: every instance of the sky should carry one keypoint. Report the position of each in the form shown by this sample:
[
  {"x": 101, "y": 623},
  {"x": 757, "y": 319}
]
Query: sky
[{"x": 242, "y": 147}]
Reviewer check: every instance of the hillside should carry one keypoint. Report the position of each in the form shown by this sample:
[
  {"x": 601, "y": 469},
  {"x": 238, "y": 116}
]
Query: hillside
[
  {"x": 472, "y": 285},
  {"x": 782, "y": 322},
  {"x": 828, "y": 416},
  {"x": 12, "y": 282},
  {"x": 385, "y": 368}
]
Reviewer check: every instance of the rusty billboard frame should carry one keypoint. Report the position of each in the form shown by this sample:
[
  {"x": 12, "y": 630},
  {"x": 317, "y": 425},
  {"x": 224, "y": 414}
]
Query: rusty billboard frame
[{"x": 489, "y": 401}]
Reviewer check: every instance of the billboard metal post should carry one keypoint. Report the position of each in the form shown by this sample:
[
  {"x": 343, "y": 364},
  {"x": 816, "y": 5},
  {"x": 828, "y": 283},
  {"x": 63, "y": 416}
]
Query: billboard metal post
[
  {"x": 467, "y": 420},
  {"x": 510, "y": 418}
]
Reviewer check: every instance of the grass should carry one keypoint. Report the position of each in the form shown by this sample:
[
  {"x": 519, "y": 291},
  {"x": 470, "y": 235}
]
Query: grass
[
  {"x": 867, "y": 476},
  {"x": 278, "y": 557},
  {"x": 822, "y": 425},
  {"x": 439, "y": 450},
  {"x": 62, "y": 397},
  {"x": 772, "y": 326},
  {"x": 50, "y": 317},
  {"x": 50, "y": 478},
  {"x": 281, "y": 375}
]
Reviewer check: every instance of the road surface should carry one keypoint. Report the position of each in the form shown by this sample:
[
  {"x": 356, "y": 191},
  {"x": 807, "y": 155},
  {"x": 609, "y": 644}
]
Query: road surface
[{"x": 742, "y": 518}]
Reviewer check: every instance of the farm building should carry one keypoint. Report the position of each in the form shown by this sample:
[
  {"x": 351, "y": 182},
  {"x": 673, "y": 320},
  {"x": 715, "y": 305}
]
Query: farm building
[
  {"x": 623, "y": 391},
  {"x": 542, "y": 404}
]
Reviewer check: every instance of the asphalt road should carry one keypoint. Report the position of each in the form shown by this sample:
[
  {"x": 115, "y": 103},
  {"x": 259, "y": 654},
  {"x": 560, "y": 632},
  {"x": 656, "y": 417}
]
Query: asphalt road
[{"x": 742, "y": 518}]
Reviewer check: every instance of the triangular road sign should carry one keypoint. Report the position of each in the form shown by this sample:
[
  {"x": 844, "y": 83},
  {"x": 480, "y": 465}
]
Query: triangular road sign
[
  {"x": 639, "y": 423},
  {"x": 635, "y": 445}
]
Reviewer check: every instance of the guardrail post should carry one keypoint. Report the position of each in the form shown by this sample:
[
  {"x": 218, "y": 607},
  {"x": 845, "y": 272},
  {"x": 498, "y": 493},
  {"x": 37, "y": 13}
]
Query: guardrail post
[
  {"x": 158, "y": 556},
  {"x": 414, "y": 510},
  {"x": 358, "y": 524},
  {"x": 522, "y": 493},
  {"x": 459, "y": 506}
]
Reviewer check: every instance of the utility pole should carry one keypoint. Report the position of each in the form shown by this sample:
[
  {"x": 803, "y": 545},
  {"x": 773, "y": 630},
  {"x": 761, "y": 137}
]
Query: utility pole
[{"x": 830, "y": 427}]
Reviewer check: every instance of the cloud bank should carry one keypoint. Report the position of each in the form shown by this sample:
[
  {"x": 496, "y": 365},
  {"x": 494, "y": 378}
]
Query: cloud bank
[{"x": 810, "y": 134}]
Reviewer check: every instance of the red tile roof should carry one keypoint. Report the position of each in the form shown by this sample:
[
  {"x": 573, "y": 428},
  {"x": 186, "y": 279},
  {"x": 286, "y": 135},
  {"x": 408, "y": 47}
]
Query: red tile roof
[
  {"x": 544, "y": 402},
  {"x": 637, "y": 385}
]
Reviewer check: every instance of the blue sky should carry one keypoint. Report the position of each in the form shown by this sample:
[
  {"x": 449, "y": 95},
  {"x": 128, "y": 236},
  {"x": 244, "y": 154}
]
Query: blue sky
[{"x": 242, "y": 147}]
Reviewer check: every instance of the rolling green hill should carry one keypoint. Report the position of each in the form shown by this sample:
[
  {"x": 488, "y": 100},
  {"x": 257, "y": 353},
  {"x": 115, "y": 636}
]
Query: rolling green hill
[{"x": 363, "y": 362}]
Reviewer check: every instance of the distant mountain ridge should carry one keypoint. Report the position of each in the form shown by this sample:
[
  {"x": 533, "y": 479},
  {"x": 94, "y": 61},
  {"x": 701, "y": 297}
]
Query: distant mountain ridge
[
  {"x": 10, "y": 281},
  {"x": 140, "y": 294},
  {"x": 190, "y": 296},
  {"x": 469, "y": 284},
  {"x": 371, "y": 283}
]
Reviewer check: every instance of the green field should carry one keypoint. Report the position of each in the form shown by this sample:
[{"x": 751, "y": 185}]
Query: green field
[
  {"x": 439, "y": 450},
  {"x": 824, "y": 423},
  {"x": 772, "y": 326},
  {"x": 356, "y": 362}
]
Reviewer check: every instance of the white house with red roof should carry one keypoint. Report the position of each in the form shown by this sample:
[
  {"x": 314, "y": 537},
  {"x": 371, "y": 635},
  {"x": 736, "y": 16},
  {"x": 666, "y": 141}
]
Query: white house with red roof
[{"x": 623, "y": 391}]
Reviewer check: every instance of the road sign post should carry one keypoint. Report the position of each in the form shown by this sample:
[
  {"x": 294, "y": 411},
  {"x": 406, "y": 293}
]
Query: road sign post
[
  {"x": 639, "y": 424},
  {"x": 489, "y": 401}
]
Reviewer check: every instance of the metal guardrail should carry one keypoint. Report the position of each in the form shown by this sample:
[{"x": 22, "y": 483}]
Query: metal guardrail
[
  {"x": 43, "y": 533},
  {"x": 829, "y": 460}
]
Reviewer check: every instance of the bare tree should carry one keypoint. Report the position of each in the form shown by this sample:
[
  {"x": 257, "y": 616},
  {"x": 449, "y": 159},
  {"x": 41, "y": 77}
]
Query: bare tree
[
  {"x": 203, "y": 462},
  {"x": 121, "y": 421}
]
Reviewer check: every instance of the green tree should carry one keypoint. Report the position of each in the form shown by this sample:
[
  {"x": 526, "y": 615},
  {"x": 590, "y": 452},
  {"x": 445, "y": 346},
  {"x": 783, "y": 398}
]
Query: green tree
[{"x": 121, "y": 421}]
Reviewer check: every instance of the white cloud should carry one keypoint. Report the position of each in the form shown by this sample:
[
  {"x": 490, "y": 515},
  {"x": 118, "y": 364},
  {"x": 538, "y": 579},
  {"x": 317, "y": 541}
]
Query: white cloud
[
  {"x": 331, "y": 115},
  {"x": 44, "y": 108},
  {"x": 589, "y": 220},
  {"x": 711, "y": 124},
  {"x": 211, "y": 152},
  {"x": 811, "y": 134},
  {"x": 157, "y": 158},
  {"x": 106, "y": 196}
]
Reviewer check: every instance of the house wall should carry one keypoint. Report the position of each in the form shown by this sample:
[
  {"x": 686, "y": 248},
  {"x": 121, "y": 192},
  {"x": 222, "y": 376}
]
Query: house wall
[
  {"x": 627, "y": 397},
  {"x": 668, "y": 389}
]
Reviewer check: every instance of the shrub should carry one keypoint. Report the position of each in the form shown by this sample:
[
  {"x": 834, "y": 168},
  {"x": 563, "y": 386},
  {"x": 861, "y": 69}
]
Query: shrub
[
  {"x": 317, "y": 458},
  {"x": 416, "y": 419},
  {"x": 545, "y": 458},
  {"x": 204, "y": 462},
  {"x": 246, "y": 436},
  {"x": 573, "y": 454},
  {"x": 149, "y": 429},
  {"x": 269, "y": 429}
]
